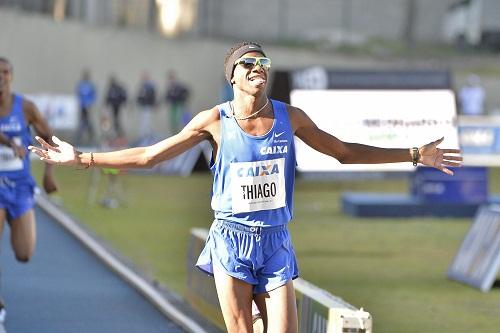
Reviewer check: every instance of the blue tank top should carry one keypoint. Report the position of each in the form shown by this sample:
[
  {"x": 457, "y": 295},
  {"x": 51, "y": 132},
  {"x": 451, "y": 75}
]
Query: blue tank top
[
  {"x": 254, "y": 176},
  {"x": 14, "y": 126}
]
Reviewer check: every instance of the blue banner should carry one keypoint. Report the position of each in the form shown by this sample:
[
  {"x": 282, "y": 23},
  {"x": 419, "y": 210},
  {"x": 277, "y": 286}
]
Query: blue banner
[{"x": 479, "y": 139}]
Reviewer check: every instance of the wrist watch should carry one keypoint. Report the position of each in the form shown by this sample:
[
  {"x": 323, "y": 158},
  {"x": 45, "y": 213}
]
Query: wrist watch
[{"x": 415, "y": 156}]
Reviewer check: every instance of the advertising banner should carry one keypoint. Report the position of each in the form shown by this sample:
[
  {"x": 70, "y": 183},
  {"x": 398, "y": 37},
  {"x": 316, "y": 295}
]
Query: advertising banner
[
  {"x": 480, "y": 139},
  {"x": 60, "y": 111},
  {"x": 383, "y": 118}
]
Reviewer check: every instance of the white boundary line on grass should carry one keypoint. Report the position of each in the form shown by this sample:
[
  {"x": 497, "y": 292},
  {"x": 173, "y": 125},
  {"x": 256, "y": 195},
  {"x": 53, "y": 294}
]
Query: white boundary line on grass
[{"x": 140, "y": 284}]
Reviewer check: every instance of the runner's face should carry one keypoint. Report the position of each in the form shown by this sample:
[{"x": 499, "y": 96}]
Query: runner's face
[
  {"x": 5, "y": 76},
  {"x": 254, "y": 78}
]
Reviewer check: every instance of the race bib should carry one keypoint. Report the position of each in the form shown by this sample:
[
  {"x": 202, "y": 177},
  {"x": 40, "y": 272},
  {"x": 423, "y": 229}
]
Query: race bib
[
  {"x": 8, "y": 160},
  {"x": 258, "y": 185}
]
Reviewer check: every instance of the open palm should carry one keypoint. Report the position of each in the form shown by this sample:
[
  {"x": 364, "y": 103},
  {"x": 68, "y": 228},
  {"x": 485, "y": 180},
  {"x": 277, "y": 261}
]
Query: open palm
[
  {"x": 63, "y": 153},
  {"x": 435, "y": 157}
]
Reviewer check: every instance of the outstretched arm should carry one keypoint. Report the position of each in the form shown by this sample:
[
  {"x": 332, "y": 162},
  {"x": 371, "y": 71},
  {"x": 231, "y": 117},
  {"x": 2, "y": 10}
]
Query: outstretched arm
[
  {"x": 354, "y": 153},
  {"x": 200, "y": 128},
  {"x": 42, "y": 129}
]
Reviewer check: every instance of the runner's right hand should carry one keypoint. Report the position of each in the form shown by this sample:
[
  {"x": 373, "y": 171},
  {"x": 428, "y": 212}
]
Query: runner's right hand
[
  {"x": 64, "y": 153},
  {"x": 19, "y": 151}
]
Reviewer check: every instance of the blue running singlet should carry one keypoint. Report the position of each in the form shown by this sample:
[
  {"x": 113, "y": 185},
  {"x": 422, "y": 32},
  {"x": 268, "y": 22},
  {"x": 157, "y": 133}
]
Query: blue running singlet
[
  {"x": 254, "y": 175},
  {"x": 14, "y": 126}
]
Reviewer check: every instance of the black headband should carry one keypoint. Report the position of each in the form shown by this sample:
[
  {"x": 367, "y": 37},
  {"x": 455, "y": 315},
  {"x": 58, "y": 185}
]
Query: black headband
[{"x": 238, "y": 53}]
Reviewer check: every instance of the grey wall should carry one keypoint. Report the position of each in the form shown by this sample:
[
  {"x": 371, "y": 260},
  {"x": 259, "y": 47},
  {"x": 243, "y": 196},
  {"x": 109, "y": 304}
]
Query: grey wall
[
  {"x": 295, "y": 19},
  {"x": 48, "y": 57}
]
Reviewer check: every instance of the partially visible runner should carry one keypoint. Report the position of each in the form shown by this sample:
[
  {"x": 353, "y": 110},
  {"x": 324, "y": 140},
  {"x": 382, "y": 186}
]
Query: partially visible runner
[
  {"x": 249, "y": 249},
  {"x": 16, "y": 182}
]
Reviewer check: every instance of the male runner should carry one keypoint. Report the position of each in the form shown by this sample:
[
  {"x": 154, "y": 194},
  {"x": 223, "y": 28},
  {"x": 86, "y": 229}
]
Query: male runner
[
  {"x": 16, "y": 183},
  {"x": 248, "y": 249}
]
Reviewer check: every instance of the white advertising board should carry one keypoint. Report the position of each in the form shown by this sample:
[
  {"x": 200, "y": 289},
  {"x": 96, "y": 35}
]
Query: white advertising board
[
  {"x": 60, "y": 111},
  {"x": 382, "y": 118}
]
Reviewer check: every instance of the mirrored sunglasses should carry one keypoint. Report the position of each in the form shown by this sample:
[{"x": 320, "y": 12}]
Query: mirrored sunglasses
[{"x": 250, "y": 62}]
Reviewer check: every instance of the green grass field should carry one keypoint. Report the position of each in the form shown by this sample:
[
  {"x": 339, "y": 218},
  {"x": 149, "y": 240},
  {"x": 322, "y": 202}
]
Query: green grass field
[{"x": 394, "y": 268}]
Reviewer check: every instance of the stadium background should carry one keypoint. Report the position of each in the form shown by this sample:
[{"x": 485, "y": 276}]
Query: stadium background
[{"x": 382, "y": 265}]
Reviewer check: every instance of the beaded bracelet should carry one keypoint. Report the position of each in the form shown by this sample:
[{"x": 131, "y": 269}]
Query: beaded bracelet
[{"x": 92, "y": 162}]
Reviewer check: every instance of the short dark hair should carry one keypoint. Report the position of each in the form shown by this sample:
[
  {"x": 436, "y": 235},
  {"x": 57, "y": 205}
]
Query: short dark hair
[
  {"x": 229, "y": 57},
  {"x": 5, "y": 60}
]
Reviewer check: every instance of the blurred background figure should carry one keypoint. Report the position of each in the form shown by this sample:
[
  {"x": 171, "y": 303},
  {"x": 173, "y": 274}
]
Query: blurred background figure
[
  {"x": 176, "y": 97},
  {"x": 472, "y": 96},
  {"x": 116, "y": 97},
  {"x": 146, "y": 101},
  {"x": 106, "y": 186},
  {"x": 86, "y": 94}
]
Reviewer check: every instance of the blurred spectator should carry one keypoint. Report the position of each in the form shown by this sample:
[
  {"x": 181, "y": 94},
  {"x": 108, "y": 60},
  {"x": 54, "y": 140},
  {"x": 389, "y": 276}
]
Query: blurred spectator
[
  {"x": 114, "y": 193},
  {"x": 86, "y": 93},
  {"x": 146, "y": 101},
  {"x": 116, "y": 97},
  {"x": 472, "y": 97},
  {"x": 176, "y": 96}
]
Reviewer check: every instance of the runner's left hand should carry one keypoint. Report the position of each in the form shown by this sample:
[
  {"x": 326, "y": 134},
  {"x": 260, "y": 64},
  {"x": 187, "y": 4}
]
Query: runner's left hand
[{"x": 435, "y": 157}]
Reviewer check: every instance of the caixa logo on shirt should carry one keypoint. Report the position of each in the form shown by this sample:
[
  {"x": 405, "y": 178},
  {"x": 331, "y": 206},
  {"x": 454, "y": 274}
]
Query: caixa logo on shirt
[
  {"x": 258, "y": 170},
  {"x": 274, "y": 150},
  {"x": 11, "y": 126}
]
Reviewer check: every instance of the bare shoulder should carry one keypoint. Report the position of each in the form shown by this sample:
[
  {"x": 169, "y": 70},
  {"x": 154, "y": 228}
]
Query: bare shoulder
[
  {"x": 205, "y": 119},
  {"x": 293, "y": 110},
  {"x": 298, "y": 118},
  {"x": 209, "y": 115},
  {"x": 31, "y": 113},
  {"x": 206, "y": 123}
]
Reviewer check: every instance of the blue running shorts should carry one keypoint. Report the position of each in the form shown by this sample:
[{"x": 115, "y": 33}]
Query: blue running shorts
[
  {"x": 263, "y": 257},
  {"x": 16, "y": 196}
]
